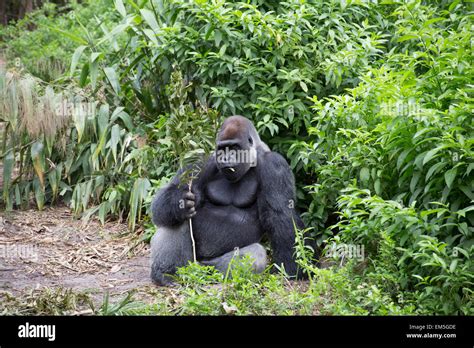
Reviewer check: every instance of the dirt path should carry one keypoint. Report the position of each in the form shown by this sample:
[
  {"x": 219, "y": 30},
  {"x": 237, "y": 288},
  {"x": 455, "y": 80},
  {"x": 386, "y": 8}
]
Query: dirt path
[{"x": 49, "y": 250}]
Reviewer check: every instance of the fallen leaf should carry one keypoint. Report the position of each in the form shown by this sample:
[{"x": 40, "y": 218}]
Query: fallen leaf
[
  {"x": 116, "y": 268},
  {"x": 229, "y": 309}
]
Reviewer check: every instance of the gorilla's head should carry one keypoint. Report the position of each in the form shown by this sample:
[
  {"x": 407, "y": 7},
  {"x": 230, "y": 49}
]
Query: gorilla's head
[{"x": 236, "y": 150}]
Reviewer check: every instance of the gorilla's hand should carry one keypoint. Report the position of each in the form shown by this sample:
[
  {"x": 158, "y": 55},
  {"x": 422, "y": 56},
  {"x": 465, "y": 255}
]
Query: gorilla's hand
[{"x": 188, "y": 204}]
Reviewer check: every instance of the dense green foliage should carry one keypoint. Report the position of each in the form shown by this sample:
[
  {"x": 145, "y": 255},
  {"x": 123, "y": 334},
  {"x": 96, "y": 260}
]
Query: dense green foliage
[
  {"x": 370, "y": 102},
  {"x": 43, "y": 41}
]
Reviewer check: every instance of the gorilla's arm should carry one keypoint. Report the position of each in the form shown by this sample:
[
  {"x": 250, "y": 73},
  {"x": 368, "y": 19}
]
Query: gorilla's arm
[
  {"x": 166, "y": 209},
  {"x": 276, "y": 207}
]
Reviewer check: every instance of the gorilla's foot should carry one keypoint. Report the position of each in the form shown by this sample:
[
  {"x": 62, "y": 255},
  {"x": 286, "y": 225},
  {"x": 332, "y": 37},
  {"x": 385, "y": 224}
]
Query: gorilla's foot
[
  {"x": 170, "y": 248},
  {"x": 160, "y": 278},
  {"x": 256, "y": 251}
]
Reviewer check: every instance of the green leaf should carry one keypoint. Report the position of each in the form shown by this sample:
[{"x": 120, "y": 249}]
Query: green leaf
[
  {"x": 84, "y": 74},
  {"x": 414, "y": 181},
  {"x": 441, "y": 262},
  {"x": 434, "y": 169},
  {"x": 69, "y": 35},
  {"x": 470, "y": 167},
  {"x": 462, "y": 251},
  {"x": 114, "y": 140},
  {"x": 469, "y": 192},
  {"x": 100, "y": 146},
  {"x": 453, "y": 265},
  {"x": 222, "y": 50},
  {"x": 103, "y": 118},
  {"x": 401, "y": 158},
  {"x": 113, "y": 34},
  {"x": 86, "y": 194},
  {"x": 449, "y": 176},
  {"x": 113, "y": 79},
  {"x": 433, "y": 20},
  {"x": 135, "y": 6},
  {"x": 149, "y": 17},
  {"x": 75, "y": 58},
  {"x": 95, "y": 55},
  {"x": 364, "y": 175},
  {"x": 251, "y": 81},
  {"x": 378, "y": 187},
  {"x": 423, "y": 131},
  {"x": 431, "y": 154},
  {"x": 404, "y": 239},
  {"x": 419, "y": 160},
  {"x": 104, "y": 209},
  {"x": 94, "y": 71},
  {"x": 120, "y": 7},
  {"x": 453, "y": 5},
  {"x": 304, "y": 87},
  {"x": 217, "y": 37},
  {"x": 37, "y": 156},
  {"x": 8, "y": 163},
  {"x": 53, "y": 182},
  {"x": 139, "y": 192},
  {"x": 17, "y": 195},
  {"x": 407, "y": 37},
  {"x": 151, "y": 35},
  {"x": 39, "y": 193},
  {"x": 119, "y": 113},
  {"x": 79, "y": 119}
]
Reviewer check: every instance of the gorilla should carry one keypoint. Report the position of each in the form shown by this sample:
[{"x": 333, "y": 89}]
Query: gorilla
[{"x": 243, "y": 192}]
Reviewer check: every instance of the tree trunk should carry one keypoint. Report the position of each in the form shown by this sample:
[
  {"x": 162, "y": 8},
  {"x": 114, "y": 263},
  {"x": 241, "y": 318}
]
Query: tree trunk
[{"x": 3, "y": 12}]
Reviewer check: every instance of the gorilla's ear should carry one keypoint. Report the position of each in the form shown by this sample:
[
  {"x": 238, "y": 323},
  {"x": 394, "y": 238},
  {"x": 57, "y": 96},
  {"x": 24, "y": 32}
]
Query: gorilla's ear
[
  {"x": 250, "y": 140},
  {"x": 264, "y": 147}
]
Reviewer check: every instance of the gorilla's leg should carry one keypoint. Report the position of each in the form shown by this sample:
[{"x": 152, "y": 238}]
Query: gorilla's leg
[
  {"x": 256, "y": 251},
  {"x": 171, "y": 248}
]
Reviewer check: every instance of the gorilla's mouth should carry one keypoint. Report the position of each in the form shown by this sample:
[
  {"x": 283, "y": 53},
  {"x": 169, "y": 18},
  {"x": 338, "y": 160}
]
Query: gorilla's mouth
[{"x": 229, "y": 170}]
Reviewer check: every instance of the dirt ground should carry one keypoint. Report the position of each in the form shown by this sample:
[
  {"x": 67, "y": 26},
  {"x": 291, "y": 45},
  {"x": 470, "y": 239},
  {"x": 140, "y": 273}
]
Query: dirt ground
[{"x": 50, "y": 249}]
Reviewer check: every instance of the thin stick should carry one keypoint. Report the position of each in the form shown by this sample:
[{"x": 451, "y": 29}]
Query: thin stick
[{"x": 191, "y": 227}]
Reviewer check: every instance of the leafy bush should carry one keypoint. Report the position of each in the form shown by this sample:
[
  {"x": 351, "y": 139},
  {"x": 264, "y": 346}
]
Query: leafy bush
[
  {"x": 46, "y": 157},
  {"x": 42, "y": 42},
  {"x": 404, "y": 133},
  {"x": 240, "y": 292},
  {"x": 412, "y": 250},
  {"x": 237, "y": 57},
  {"x": 370, "y": 102}
]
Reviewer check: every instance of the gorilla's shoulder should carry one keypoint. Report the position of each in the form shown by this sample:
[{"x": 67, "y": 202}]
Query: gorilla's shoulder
[
  {"x": 274, "y": 159},
  {"x": 272, "y": 164}
]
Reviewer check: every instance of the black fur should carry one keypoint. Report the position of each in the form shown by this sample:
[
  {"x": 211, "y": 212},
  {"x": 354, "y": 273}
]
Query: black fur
[
  {"x": 229, "y": 209},
  {"x": 276, "y": 208}
]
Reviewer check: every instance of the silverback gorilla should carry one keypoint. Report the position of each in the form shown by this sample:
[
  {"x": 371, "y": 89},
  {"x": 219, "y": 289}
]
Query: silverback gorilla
[{"x": 243, "y": 192}]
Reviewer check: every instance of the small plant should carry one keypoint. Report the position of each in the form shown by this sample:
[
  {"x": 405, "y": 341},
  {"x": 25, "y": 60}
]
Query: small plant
[
  {"x": 47, "y": 302},
  {"x": 125, "y": 304}
]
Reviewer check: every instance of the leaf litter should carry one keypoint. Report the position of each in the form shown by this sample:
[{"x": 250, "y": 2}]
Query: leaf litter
[{"x": 50, "y": 255}]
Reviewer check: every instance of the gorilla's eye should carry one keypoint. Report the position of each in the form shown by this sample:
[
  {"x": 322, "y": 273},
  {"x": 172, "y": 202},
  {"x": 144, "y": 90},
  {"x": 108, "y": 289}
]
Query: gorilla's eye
[{"x": 250, "y": 140}]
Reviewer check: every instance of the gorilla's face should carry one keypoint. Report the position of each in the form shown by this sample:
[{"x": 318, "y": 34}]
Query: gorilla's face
[
  {"x": 235, "y": 150},
  {"x": 232, "y": 157}
]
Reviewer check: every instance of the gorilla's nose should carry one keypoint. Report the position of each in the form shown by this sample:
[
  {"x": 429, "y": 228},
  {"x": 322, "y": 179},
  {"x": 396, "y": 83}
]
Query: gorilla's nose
[{"x": 229, "y": 170}]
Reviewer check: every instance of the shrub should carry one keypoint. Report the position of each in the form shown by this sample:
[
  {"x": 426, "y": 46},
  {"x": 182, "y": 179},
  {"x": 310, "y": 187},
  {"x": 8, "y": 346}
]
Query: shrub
[{"x": 43, "y": 41}]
